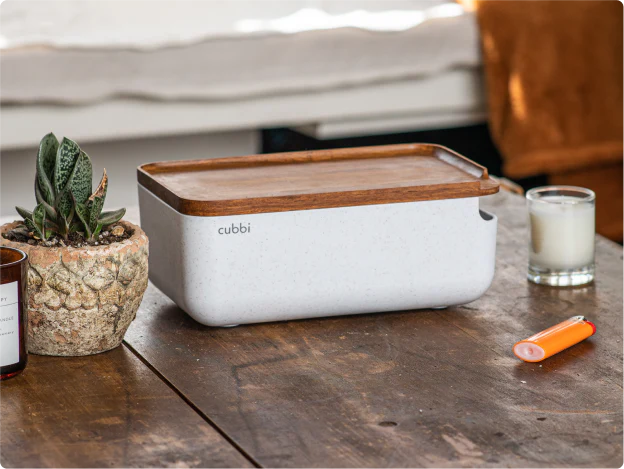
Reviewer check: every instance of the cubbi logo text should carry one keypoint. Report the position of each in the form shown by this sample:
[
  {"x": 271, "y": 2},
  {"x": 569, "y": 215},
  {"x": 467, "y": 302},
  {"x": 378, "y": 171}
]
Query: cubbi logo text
[{"x": 235, "y": 229}]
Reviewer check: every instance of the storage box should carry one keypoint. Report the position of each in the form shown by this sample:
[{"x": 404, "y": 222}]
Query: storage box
[{"x": 321, "y": 233}]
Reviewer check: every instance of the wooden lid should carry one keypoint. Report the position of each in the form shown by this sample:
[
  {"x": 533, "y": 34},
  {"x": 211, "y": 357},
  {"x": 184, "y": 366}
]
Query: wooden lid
[{"x": 307, "y": 180}]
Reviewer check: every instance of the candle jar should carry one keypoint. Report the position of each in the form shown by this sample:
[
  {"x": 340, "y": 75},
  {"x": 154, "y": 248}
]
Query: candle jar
[
  {"x": 561, "y": 247},
  {"x": 13, "y": 312}
]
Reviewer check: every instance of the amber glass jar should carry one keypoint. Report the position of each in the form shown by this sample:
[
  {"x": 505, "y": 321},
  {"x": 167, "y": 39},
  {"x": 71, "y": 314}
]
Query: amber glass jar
[{"x": 13, "y": 312}]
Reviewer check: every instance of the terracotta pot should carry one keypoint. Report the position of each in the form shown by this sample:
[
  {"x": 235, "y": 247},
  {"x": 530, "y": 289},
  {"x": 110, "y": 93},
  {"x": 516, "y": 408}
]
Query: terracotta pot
[{"x": 82, "y": 300}]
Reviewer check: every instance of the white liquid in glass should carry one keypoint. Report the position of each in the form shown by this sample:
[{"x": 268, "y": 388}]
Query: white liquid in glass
[{"x": 562, "y": 233}]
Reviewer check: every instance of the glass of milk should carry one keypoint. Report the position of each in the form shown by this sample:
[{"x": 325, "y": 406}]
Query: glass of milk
[{"x": 561, "y": 248}]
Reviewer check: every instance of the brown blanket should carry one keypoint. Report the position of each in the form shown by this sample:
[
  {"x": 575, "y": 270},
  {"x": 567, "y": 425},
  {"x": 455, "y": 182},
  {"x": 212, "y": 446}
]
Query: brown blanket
[{"x": 554, "y": 77}]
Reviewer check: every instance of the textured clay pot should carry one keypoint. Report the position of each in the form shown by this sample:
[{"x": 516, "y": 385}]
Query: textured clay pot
[{"x": 82, "y": 300}]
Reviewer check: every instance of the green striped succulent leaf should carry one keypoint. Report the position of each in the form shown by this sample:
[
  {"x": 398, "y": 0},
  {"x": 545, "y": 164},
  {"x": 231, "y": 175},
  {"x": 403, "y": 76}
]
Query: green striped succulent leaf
[
  {"x": 40, "y": 200},
  {"x": 46, "y": 158},
  {"x": 65, "y": 205},
  {"x": 37, "y": 222},
  {"x": 66, "y": 158},
  {"x": 95, "y": 208},
  {"x": 32, "y": 227},
  {"x": 97, "y": 230},
  {"x": 64, "y": 199},
  {"x": 82, "y": 179},
  {"x": 96, "y": 202},
  {"x": 25, "y": 214},
  {"x": 108, "y": 218},
  {"x": 83, "y": 213}
]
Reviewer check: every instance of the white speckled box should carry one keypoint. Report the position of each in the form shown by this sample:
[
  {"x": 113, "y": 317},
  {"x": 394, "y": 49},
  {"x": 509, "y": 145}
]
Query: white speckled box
[{"x": 322, "y": 233}]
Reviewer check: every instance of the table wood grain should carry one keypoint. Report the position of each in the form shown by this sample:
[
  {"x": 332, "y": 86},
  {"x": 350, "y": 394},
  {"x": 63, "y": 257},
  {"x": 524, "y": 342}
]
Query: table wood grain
[
  {"x": 106, "y": 410},
  {"x": 420, "y": 388}
]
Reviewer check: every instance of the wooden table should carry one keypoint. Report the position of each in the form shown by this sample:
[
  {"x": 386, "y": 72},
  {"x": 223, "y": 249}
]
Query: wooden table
[{"x": 424, "y": 388}]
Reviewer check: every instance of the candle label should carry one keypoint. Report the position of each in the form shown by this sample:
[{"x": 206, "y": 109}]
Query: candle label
[{"x": 9, "y": 324}]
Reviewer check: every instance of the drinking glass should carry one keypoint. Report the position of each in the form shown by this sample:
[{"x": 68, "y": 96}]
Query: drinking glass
[{"x": 562, "y": 243}]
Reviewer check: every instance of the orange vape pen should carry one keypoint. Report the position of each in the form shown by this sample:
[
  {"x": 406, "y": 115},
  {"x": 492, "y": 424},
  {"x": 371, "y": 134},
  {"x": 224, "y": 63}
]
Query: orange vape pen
[{"x": 554, "y": 339}]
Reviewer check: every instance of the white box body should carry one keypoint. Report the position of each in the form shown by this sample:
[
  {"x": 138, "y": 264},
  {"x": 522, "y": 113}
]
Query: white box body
[{"x": 321, "y": 262}]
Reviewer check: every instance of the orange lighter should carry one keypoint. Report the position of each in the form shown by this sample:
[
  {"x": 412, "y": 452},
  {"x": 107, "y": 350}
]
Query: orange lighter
[{"x": 554, "y": 339}]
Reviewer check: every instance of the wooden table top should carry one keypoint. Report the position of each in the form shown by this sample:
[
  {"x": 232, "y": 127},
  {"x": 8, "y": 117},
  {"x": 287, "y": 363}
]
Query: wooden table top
[{"x": 429, "y": 388}]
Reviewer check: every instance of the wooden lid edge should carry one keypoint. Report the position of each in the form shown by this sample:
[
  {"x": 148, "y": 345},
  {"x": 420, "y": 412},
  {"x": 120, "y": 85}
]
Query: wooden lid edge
[{"x": 303, "y": 202}]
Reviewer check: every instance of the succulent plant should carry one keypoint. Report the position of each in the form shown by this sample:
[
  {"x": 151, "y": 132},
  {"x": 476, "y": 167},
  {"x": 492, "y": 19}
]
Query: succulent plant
[{"x": 63, "y": 184}]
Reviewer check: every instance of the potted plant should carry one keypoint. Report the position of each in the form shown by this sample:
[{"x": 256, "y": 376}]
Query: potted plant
[{"x": 87, "y": 269}]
